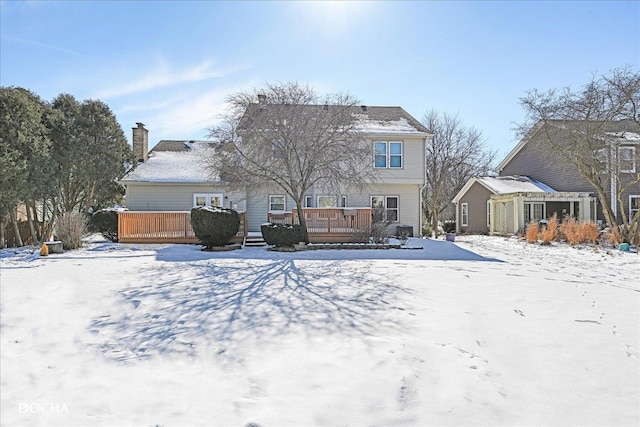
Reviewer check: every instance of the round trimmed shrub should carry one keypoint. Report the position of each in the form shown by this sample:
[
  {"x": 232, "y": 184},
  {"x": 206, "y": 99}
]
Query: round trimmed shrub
[
  {"x": 280, "y": 235},
  {"x": 105, "y": 221},
  {"x": 214, "y": 226}
]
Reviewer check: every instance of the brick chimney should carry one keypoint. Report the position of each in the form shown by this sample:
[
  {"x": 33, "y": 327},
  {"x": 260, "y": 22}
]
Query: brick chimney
[
  {"x": 262, "y": 98},
  {"x": 140, "y": 143}
]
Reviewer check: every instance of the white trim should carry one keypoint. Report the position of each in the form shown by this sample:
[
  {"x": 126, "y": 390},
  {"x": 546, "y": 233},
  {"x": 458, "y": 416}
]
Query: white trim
[
  {"x": 284, "y": 203},
  {"x": 467, "y": 186},
  {"x": 385, "y": 206},
  {"x": 462, "y": 214},
  {"x": 633, "y": 158},
  {"x": 324, "y": 196},
  {"x": 631, "y": 197},
  {"x": 308, "y": 202},
  {"x": 208, "y": 197},
  {"x": 388, "y": 154}
]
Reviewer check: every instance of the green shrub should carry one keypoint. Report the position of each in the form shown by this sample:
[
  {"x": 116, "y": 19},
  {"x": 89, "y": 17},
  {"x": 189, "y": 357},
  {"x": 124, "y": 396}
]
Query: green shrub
[
  {"x": 280, "y": 235},
  {"x": 214, "y": 226},
  {"x": 426, "y": 230},
  {"x": 449, "y": 226},
  {"x": 105, "y": 221}
]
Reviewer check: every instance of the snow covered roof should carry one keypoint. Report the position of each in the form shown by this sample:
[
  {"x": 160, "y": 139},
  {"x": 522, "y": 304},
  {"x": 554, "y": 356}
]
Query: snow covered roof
[
  {"x": 506, "y": 185},
  {"x": 625, "y": 137},
  {"x": 368, "y": 125},
  {"x": 383, "y": 120},
  {"x": 174, "y": 161},
  {"x": 514, "y": 184}
]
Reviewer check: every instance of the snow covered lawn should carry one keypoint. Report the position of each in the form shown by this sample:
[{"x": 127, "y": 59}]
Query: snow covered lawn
[{"x": 486, "y": 331}]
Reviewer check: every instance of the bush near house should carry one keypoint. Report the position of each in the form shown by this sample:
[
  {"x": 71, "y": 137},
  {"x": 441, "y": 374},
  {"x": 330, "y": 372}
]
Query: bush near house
[
  {"x": 449, "y": 226},
  {"x": 214, "y": 226},
  {"x": 282, "y": 235},
  {"x": 105, "y": 221}
]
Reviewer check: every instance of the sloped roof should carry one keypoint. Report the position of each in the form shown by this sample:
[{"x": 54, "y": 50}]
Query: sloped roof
[
  {"x": 174, "y": 161},
  {"x": 371, "y": 119},
  {"x": 514, "y": 184},
  {"x": 627, "y": 130},
  {"x": 506, "y": 185}
]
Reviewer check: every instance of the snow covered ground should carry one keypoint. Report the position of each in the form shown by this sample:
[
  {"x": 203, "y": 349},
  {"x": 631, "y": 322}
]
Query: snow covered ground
[{"x": 486, "y": 331}]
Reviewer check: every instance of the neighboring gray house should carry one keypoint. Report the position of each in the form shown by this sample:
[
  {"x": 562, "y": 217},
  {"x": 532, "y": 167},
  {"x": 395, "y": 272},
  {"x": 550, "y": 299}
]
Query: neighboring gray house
[
  {"x": 174, "y": 177},
  {"x": 483, "y": 206}
]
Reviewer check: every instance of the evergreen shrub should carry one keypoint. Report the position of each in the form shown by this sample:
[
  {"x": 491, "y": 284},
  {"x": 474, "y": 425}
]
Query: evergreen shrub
[
  {"x": 449, "y": 226},
  {"x": 105, "y": 221},
  {"x": 281, "y": 235},
  {"x": 214, "y": 226}
]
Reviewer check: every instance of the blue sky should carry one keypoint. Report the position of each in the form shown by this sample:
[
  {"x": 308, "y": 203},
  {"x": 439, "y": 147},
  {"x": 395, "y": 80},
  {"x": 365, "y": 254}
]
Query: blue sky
[{"x": 171, "y": 65}]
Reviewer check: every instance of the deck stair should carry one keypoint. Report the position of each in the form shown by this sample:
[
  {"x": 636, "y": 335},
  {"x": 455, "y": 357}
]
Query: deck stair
[{"x": 254, "y": 239}]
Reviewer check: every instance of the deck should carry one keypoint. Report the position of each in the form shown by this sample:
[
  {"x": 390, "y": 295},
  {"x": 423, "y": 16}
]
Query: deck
[
  {"x": 164, "y": 227},
  {"x": 324, "y": 225}
]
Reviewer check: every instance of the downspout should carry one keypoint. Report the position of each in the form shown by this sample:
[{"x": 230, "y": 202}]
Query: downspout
[{"x": 424, "y": 186}]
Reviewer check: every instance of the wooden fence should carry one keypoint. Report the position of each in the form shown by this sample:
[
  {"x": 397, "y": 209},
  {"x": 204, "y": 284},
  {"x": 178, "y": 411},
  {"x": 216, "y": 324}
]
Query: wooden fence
[{"x": 163, "y": 227}]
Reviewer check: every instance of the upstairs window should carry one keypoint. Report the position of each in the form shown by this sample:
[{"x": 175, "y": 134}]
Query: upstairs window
[
  {"x": 627, "y": 159},
  {"x": 387, "y": 154}
]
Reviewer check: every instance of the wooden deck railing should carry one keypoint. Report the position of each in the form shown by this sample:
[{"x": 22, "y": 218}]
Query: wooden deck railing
[
  {"x": 328, "y": 224},
  {"x": 163, "y": 227}
]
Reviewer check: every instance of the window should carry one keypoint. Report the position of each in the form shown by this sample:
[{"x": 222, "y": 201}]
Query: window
[
  {"x": 326, "y": 202},
  {"x": 387, "y": 154},
  {"x": 343, "y": 201},
  {"x": 308, "y": 201},
  {"x": 601, "y": 161},
  {"x": 634, "y": 205},
  {"x": 533, "y": 212},
  {"x": 489, "y": 214},
  {"x": 388, "y": 205},
  {"x": 627, "y": 159},
  {"x": 202, "y": 199},
  {"x": 277, "y": 203},
  {"x": 465, "y": 215}
]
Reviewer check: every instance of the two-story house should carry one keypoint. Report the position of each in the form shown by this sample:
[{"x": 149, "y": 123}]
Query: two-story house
[
  {"x": 485, "y": 205},
  {"x": 173, "y": 176}
]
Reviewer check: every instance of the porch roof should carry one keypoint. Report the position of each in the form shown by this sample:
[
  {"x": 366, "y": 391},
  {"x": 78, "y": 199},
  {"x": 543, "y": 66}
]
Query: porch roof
[{"x": 544, "y": 196}]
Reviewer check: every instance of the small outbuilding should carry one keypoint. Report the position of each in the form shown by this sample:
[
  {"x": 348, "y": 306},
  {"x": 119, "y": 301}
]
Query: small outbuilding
[{"x": 504, "y": 205}]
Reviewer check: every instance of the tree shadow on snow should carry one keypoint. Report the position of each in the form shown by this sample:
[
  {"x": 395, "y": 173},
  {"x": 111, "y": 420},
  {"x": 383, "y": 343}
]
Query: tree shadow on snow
[{"x": 216, "y": 306}]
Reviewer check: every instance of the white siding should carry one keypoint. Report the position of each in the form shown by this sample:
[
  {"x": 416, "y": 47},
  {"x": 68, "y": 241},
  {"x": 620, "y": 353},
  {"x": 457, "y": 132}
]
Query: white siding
[
  {"x": 174, "y": 197},
  {"x": 412, "y": 171}
]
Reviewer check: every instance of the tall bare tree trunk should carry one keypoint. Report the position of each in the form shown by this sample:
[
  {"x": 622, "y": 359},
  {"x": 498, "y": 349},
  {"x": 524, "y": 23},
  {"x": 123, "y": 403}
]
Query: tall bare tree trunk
[
  {"x": 302, "y": 221},
  {"x": 3, "y": 222},
  {"x": 16, "y": 230},
  {"x": 34, "y": 235}
]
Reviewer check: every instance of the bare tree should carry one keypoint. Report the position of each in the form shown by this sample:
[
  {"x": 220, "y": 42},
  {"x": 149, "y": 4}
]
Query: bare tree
[
  {"x": 455, "y": 154},
  {"x": 585, "y": 129},
  {"x": 288, "y": 136}
]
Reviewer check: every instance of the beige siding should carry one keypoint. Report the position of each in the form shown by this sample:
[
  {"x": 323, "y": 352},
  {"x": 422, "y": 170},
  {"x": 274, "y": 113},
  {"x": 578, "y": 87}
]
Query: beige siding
[
  {"x": 174, "y": 197},
  {"x": 412, "y": 171},
  {"x": 409, "y": 208}
]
